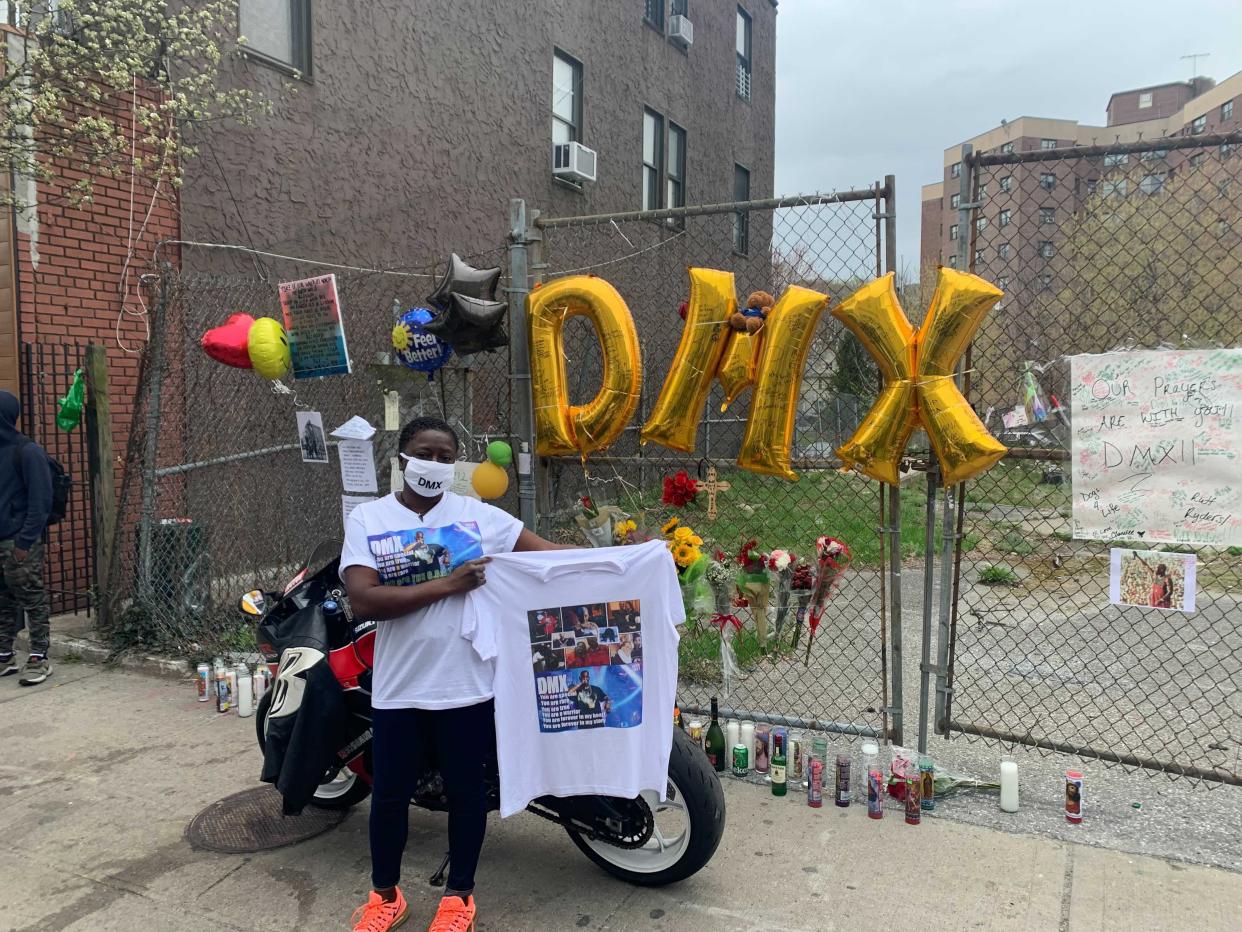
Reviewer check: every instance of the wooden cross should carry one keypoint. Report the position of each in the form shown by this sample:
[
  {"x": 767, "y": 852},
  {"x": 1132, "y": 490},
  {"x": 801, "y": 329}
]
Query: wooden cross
[{"x": 713, "y": 485}]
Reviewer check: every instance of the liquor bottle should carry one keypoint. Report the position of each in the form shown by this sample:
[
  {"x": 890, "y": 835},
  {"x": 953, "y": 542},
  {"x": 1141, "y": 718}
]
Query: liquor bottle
[
  {"x": 779, "y": 783},
  {"x": 715, "y": 742}
]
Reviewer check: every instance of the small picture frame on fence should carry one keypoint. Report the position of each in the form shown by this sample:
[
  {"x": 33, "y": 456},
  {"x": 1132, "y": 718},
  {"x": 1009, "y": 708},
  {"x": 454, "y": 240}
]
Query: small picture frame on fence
[
  {"x": 311, "y": 438},
  {"x": 1159, "y": 579}
]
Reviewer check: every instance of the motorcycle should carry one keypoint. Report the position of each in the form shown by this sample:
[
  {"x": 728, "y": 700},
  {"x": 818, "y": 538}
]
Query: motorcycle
[{"x": 642, "y": 840}]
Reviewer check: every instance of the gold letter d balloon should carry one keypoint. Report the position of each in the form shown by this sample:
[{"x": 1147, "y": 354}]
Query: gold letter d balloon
[{"x": 919, "y": 390}]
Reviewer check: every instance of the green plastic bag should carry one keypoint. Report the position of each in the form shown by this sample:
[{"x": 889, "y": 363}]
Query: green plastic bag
[{"x": 70, "y": 414}]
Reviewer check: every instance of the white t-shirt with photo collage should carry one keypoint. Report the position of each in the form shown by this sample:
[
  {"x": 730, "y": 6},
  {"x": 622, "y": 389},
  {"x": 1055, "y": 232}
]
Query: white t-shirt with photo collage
[
  {"x": 585, "y": 648},
  {"x": 421, "y": 659}
]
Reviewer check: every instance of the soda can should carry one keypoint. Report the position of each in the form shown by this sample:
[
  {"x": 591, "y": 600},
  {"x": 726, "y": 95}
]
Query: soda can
[
  {"x": 797, "y": 759},
  {"x": 763, "y": 750},
  {"x": 224, "y": 698},
  {"x": 927, "y": 781},
  {"x": 696, "y": 732},
  {"x": 914, "y": 805},
  {"x": 741, "y": 760},
  {"x": 875, "y": 794},
  {"x": 815, "y": 784},
  {"x": 1073, "y": 796},
  {"x": 202, "y": 681},
  {"x": 843, "y": 780}
]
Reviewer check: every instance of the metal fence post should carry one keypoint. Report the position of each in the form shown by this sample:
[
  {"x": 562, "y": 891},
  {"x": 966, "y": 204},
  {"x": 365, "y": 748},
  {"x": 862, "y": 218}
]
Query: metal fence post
[
  {"x": 896, "y": 668},
  {"x": 520, "y": 399},
  {"x": 151, "y": 440}
]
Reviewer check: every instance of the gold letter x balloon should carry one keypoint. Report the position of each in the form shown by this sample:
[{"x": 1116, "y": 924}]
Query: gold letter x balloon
[{"x": 919, "y": 390}]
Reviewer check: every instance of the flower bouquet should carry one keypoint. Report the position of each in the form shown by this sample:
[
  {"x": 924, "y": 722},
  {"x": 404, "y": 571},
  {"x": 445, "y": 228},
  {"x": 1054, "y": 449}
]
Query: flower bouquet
[
  {"x": 782, "y": 563},
  {"x": 753, "y": 585},
  {"x": 801, "y": 587},
  {"x": 679, "y": 489},
  {"x": 720, "y": 578},
  {"x": 832, "y": 559},
  {"x": 685, "y": 546},
  {"x": 597, "y": 522}
]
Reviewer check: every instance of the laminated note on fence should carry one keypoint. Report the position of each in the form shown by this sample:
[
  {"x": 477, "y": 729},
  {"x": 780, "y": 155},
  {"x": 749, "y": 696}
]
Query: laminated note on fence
[
  {"x": 312, "y": 313},
  {"x": 1157, "y": 446}
]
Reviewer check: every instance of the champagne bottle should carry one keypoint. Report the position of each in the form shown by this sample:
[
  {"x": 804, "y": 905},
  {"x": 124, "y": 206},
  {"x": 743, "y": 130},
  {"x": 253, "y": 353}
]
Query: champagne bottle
[
  {"x": 715, "y": 742},
  {"x": 779, "y": 783}
]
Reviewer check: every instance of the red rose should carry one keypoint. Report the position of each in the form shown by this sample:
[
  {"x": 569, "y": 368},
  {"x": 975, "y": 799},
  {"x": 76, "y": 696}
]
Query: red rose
[{"x": 679, "y": 489}]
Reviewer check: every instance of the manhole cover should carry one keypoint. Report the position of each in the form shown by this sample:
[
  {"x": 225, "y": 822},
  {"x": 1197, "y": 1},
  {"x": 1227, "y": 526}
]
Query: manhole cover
[{"x": 252, "y": 821}]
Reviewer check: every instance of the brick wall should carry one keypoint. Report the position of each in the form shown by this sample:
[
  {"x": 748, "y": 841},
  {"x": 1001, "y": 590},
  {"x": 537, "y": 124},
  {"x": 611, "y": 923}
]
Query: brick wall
[{"x": 70, "y": 267}]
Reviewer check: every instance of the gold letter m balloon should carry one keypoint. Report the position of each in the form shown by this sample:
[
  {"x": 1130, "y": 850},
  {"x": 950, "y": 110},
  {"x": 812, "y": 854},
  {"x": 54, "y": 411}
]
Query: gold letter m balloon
[{"x": 919, "y": 390}]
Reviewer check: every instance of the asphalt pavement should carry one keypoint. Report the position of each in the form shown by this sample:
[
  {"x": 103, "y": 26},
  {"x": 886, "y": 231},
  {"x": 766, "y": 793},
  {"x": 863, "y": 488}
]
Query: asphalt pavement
[{"x": 103, "y": 770}]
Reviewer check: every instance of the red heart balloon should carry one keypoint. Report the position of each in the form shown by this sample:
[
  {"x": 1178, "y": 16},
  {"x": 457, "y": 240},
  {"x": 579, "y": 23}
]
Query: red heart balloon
[{"x": 228, "y": 342}]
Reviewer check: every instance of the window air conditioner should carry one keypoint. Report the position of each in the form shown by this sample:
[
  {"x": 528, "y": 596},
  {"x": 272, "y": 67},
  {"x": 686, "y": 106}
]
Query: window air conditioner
[
  {"x": 681, "y": 30},
  {"x": 574, "y": 161}
]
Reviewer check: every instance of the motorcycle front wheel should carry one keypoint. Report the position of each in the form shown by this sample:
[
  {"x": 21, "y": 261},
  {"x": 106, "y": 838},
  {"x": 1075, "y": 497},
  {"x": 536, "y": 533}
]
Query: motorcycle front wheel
[
  {"x": 342, "y": 790},
  {"x": 688, "y": 825}
]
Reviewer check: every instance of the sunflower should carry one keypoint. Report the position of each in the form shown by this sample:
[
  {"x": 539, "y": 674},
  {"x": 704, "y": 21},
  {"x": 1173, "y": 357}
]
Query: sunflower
[
  {"x": 669, "y": 525},
  {"x": 684, "y": 554}
]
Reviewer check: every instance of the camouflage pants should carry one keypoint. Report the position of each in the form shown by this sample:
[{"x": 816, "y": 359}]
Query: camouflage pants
[{"x": 21, "y": 587}]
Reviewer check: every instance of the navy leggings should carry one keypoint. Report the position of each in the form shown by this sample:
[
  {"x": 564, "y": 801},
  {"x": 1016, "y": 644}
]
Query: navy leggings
[{"x": 461, "y": 739}]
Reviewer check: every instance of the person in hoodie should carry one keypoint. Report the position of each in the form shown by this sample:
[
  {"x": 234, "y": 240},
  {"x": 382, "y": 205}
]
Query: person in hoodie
[{"x": 25, "y": 500}]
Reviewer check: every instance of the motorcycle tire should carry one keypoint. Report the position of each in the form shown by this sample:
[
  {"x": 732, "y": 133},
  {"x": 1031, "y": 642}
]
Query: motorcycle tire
[
  {"x": 691, "y": 775},
  {"x": 345, "y": 792}
]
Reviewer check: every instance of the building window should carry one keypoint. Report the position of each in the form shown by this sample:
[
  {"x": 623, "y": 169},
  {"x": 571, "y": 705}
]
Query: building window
[
  {"x": 1153, "y": 183},
  {"x": 1226, "y": 111},
  {"x": 952, "y": 262},
  {"x": 1225, "y": 149},
  {"x": 1045, "y": 249},
  {"x": 1222, "y": 188},
  {"x": 983, "y": 192},
  {"x": 743, "y": 54},
  {"x": 1045, "y": 282},
  {"x": 1144, "y": 100},
  {"x": 1091, "y": 185},
  {"x": 981, "y": 224},
  {"x": 1153, "y": 155},
  {"x": 1047, "y": 181},
  {"x": 1003, "y": 282},
  {"x": 566, "y": 99},
  {"x": 1007, "y": 148},
  {"x": 654, "y": 14},
  {"x": 1004, "y": 218},
  {"x": 953, "y": 231},
  {"x": 741, "y": 219},
  {"x": 955, "y": 201},
  {"x": 675, "y": 188},
  {"x": 979, "y": 257},
  {"x": 278, "y": 30},
  {"x": 1114, "y": 188},
  {"x": 955, "y": 170},
  {"x": 1047, "y": 215},
  {"x": 1115, "y": 159},
  {"x": 1198, "y": 125},
  {"x": 1197, "y": 159},
  {"x": 1047, "y": 144},
  {"x": 1006, "y": 183},
  {"x": 1003, "y": 250},
  {"x": 653, "y": 158}
]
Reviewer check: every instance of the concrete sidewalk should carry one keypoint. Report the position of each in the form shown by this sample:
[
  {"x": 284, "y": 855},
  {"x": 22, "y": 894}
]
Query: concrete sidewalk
[{"x": 103, "y": 770}]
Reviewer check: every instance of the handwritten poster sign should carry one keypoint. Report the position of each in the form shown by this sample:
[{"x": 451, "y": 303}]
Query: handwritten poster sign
[
  {"x": 313, "y": 321},
  {"x": 1157, "y": 446}
]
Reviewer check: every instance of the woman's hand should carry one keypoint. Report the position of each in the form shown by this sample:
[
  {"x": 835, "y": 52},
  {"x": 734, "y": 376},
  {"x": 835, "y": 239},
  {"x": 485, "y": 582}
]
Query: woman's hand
[{"x": 470, "y": 575}]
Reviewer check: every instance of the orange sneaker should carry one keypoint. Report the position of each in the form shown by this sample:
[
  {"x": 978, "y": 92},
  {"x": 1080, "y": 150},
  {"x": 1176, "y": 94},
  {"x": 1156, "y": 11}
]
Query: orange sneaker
[
  {"x": 454, "y": 915},
  {"x": 380, "y": 915}
]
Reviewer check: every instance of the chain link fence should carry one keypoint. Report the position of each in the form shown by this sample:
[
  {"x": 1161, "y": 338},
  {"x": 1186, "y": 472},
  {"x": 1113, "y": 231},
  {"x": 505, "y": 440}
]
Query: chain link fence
[
  {"x": 216, "y": 498},
  {"x": 832, "y": 244},
  {"x": 1135, "y": 246}
]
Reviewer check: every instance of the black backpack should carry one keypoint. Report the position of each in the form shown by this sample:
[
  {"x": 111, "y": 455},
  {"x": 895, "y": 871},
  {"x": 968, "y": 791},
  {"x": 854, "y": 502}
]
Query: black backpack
[{"x": 61, "y": 483}]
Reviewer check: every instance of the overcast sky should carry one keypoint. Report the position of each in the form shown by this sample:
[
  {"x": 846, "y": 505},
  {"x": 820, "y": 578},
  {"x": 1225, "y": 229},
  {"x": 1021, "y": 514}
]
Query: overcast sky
[{"x": 866, "y": 89}]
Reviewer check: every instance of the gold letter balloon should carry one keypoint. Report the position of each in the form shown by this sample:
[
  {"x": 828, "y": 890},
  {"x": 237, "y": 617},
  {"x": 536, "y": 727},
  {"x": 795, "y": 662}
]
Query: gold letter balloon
[
  {"x": 917, "y": 369},
  {"x": 560, "y": 428}
]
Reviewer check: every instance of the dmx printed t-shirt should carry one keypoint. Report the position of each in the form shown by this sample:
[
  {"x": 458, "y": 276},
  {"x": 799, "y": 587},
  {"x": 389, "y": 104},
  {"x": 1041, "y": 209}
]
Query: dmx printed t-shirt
[
  {"x": 585, "y": 647},
  {"x": 421, "y": 660}
]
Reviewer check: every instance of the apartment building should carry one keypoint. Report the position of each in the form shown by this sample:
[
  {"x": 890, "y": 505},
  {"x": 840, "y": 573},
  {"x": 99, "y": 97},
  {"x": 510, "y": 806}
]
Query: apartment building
[
  {"x": 398, "y": 135},
  {"x": 1040, "y": 195}
]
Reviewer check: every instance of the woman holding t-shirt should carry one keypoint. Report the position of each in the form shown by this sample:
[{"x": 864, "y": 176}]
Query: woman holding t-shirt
[{"x": 428, "y": 680}]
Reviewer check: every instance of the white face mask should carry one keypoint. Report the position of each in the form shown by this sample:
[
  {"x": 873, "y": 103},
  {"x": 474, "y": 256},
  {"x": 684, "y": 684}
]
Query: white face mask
[{"x": 427, "y": 477}]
